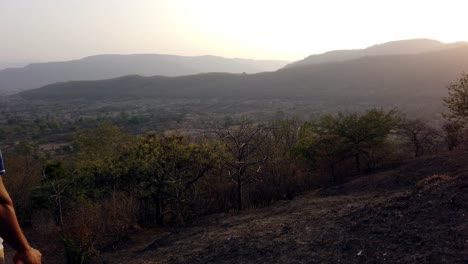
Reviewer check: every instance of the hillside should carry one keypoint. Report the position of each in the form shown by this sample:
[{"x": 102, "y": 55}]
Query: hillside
[
  {"x": 404, "y": 215},
  {"x": 401, "y": 47},
  {"x": 395, "y": 80},
  {"x": 110, "y": 66},
  {"x": 414, "y": 212}
]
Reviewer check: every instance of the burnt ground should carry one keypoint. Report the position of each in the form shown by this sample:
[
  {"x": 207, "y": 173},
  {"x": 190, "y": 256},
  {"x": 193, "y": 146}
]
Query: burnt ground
[{"x": 416, "y": 213}]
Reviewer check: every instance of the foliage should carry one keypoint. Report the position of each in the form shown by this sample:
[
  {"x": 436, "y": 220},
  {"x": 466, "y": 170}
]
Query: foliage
[
  {"x": 452, "y": 133},
  {"x": 335, "y": 138},
  {"x": 282, "y": 177},
  {"x": 56, "y": 191},
  {"x": 100, "y": 159},
  {"x": 457, "y": 99},
  {"x": 165, "y": 168},
  {"x": 78, "y": 252},
  {"x": 285, "y": 134}
]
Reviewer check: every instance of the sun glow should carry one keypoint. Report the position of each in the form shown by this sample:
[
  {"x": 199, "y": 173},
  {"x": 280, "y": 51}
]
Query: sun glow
[
  {"x": 269, "y": 29},
  {"x": 293, "y": 29}
]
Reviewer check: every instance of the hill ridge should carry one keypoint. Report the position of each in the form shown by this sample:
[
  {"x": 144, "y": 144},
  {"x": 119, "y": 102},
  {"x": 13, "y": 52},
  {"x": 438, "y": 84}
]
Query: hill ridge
[
  {"x": 403, "y": 47},
  {"x": 105, "y": 66}
]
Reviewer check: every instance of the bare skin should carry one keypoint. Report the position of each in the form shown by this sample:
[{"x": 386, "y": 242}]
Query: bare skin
[{"x": 11, "y": 232}]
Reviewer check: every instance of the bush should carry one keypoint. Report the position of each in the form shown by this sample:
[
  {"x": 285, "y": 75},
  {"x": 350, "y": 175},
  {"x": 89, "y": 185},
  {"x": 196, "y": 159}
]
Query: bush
[{"x": 78, "y": 252}]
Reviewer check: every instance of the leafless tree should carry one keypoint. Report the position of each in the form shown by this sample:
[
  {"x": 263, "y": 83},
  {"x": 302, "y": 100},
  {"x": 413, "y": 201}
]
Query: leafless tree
[
  {"x": 421, "y": 137},
  {"x": 245, "y": 144}
]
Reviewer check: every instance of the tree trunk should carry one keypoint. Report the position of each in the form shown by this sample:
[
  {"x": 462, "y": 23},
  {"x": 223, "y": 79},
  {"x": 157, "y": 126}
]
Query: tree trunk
[
  {"x": 417, "y": 151},
  {"x": 239, "y": 193},
  {"x": 333, "y": 175},
  {"x": 358, "y": 162},
  {"x": 159, "y": 209}
]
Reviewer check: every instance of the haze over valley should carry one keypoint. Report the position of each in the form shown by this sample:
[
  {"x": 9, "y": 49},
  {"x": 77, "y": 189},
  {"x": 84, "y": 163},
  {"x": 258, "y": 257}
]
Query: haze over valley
[{"x": 409, "y": 75}]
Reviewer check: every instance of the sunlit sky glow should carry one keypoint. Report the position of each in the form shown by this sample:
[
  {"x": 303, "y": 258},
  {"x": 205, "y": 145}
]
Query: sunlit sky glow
[{"x": 50, "y": 30}]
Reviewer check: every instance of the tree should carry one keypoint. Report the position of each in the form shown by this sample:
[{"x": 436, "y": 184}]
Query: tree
[
  {"x": 359, "y": 138},
  {"x": 420, "y": 136},
  {"x": 244, "y": 145},
  {"x": 99, "y": 158},
  {"x": 59, "y": 193},
  {"x": 356, "y": 135},
  {"x": 165, "y": 168},
  {"x": 322, "y": 150},
  {"x": 281, "y": 177},
  {"x": 56, "y": 191},
  {"x": 285, "y": 133},
  {"x": 457, "y": 99},
  {"x": 452, "y": 133}
]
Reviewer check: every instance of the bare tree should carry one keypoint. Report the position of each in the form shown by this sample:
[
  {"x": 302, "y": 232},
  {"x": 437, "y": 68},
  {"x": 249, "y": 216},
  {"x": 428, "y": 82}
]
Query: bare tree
[
  {"x": 419, "y": 135},
  {"x": 244, "y": 144},
  {"x": 59, "y": 182}
]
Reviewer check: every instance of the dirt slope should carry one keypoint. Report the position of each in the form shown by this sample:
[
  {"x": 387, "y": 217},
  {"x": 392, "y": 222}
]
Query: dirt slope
[{"x": 405, "y": 215}]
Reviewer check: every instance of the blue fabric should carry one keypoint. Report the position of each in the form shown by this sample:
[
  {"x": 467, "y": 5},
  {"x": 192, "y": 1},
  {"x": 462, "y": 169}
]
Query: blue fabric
[{"x": 2, "y": 166}]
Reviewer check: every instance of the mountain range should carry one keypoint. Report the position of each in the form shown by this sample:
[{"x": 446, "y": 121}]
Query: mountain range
[
  {"x": 111, "y": 66},
  {"x": 415, "y": 73},
  {"x": 103, "y": 67},
  {"x": 374, "y": 80}
]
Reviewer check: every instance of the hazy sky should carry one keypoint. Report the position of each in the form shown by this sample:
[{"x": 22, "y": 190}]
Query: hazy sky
[{"x": 49, "y": 30}]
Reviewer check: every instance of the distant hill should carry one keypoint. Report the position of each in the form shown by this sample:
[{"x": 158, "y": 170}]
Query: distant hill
[
  {"x": 110, "y": 66},
  {"x": 412, "y": 46},
  {"x": 376, "y": 80}
]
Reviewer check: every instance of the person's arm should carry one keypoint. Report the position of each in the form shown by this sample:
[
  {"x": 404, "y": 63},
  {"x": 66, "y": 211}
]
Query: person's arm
[
  {"x": 11, "y": 232},
  {"x": 9, "y": 228}
]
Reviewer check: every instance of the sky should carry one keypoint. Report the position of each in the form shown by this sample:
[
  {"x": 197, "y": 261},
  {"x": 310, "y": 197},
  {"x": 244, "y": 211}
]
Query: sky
[{"x": 55, "y": 30}]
